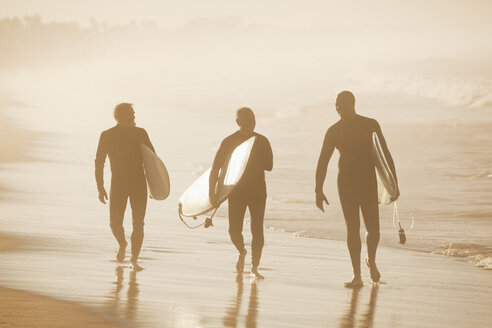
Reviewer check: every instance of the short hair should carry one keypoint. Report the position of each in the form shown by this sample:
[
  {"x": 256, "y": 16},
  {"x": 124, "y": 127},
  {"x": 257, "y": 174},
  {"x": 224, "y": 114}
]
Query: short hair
[
  {"x": 243, "y": 110},
  {"x": 346, "y": 98},
  {"x": 121, "y": 108}
]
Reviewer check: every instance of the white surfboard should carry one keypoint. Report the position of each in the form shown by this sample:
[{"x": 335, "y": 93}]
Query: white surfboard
[
  {"x": 387, "y": 186},
  {"x": 195, "y": 200},
  {"x": 156, "y": 174}
]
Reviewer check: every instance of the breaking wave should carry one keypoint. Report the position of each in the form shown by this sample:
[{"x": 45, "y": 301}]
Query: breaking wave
[{"x": 480, "y": 255}]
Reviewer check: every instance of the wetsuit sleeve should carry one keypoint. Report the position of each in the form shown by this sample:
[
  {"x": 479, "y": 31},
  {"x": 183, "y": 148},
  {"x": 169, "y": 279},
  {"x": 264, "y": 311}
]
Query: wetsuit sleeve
[
  {"x": 147, "y": 141},
  {"x": 267, "y": 155},
  {"x": 324, "y": 159},
  {"x": 102, "y": 152},
  {"x": 219, "y": 160},
  {"x": 386, "y": 151}
]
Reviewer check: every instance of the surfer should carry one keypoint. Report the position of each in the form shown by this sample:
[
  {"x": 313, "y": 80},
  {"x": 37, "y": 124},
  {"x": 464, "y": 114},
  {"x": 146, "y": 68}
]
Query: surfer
[
  {"x": 121, "y": 144},
  {"x": 357, "y": 184},
  {"x": 250, "y": 191}
]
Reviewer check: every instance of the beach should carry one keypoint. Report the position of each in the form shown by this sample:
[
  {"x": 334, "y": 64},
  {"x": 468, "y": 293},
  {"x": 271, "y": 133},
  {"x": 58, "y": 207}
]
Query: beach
[
  {"x": 62, "y": 77},
  {"x": 58, "y": 250},
  {"x": 189, "y": 281}
]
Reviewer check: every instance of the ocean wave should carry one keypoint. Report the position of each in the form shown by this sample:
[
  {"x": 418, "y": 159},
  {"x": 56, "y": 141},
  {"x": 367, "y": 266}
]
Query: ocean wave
[
  {"x": 300, "y": 233},
  {"x": 197, "y": 169},
  {"x": 481, "y": 174},
  {"x": 455, "y": 92},
  {"x": 275, "y": 228},
  {"x": 439, "y": 79},
  {"x": 283, "y": 200},
  {"x": 480, "y": 255}
]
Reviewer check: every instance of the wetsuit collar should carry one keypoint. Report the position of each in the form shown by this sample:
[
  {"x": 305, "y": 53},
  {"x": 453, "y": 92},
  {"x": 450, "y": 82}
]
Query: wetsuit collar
[{"x": 248, "y": 135}]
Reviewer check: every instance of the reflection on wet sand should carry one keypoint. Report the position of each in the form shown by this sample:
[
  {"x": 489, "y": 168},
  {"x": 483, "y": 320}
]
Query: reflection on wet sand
[
  {"x": 253, "y": 306},
  {"x": 367, "y": 319},
  {"x": 233, "y": 311},
  {"x": 114, "y": 300},
  {"x": 114, "y": 296},
  {"x": 368, "y": 316},
  {"x": 132, "y": 296}
]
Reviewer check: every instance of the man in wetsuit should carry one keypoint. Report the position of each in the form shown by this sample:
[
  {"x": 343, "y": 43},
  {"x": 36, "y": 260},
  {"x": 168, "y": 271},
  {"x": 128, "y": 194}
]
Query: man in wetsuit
[
  {"x": 121, "y": 144},
  {"x": 250, "y": 191},
  {"x": 357, "y": 184}
]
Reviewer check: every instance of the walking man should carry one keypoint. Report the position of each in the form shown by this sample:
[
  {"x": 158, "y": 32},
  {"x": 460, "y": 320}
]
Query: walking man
[
  {"x": 121, "y": 144},
  {"x": 250, "y": 191},
  {"x": 357, "y": 184}
]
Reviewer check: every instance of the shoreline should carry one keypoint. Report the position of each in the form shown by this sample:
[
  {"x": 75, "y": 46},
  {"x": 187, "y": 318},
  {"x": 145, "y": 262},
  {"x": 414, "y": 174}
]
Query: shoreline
[
  {"x": 452, "y": 250},
  {"x": 19, "y": 140},
  {"x": 303, "y": 278},
  {"x": 20, "y": 308}
]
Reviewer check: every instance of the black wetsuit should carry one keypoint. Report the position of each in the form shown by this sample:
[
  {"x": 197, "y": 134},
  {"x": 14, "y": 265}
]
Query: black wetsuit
[
  {"x": 122, "y": 146},
  {"x": 357, "y": 183},
  {"x": 250, "y": 192}
]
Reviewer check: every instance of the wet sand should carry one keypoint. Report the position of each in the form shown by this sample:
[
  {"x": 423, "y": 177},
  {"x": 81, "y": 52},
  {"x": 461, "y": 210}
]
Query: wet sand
[
  {"x": 23, "y": 309},
  {"x": 189, "y": 281}
]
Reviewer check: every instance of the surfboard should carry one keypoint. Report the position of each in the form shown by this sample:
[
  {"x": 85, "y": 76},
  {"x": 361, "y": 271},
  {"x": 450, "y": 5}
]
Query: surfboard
[
  {"x": 156, "y": 174},
  {"x": 195, "y": 200},
  {"x": 387, "y": 186}
]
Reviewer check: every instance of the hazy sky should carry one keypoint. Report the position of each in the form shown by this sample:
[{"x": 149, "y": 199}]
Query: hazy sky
[
  {"x": 435, "y": 48},
  {"x": 416, "y": 14}
]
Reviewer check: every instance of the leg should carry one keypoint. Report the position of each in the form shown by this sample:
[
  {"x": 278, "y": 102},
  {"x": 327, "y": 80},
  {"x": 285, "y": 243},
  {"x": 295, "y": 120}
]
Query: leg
[
  {"x": 257, "y": 211},
  {"x": 138, "y": 202},
  {"x": 352, "y": 220},
  {"x": 237, "y": 208},
  {"x": 370, "y": 213},
  {"x": 117, "y": 204},
  {"x": 350, "y": 208}
]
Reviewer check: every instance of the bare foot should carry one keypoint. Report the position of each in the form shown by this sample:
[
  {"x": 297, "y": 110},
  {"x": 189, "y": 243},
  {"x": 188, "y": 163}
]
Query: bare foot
[
  {"x": 355, "y": 283},
  {"x": 255, "y": 274},
  {"x": 135, "y": 267},
  {"x": 120, "y": 256},
  {"x": 375, "y": 275},
  {"x": 240, "y": 261}
]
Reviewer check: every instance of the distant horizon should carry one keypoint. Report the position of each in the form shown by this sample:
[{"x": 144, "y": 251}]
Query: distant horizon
[{"x": 419, "y": 13}]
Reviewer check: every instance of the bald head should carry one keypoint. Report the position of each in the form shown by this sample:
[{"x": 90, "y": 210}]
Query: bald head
[{"x": 345, "y": 104}]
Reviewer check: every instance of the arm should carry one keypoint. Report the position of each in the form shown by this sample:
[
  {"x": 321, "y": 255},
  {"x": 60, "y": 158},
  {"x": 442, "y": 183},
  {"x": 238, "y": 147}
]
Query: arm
[
  {"x": 268, "y": 156},
  {"x": 147, "y": 141},
  {"x": 219, "y": 159},
  {"x": 99, "y": 168},
  {"x": 324, "y": 159},
  {"x": 387, "y": 154}
]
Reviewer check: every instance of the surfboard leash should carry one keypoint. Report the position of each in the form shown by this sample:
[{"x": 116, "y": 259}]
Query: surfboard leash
[
  {"x": 401, "y": 231},
  {"x": 207, "y": 223}
]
